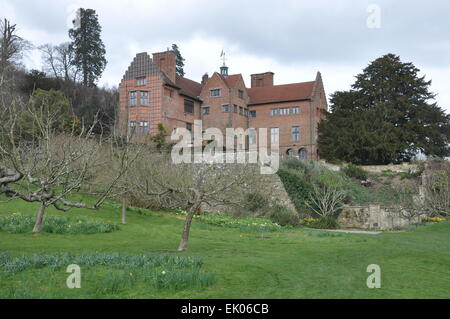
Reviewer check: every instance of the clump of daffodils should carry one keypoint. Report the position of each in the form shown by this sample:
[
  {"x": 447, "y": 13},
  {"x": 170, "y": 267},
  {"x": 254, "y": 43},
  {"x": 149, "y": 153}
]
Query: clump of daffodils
[{"x": 433, "y": 219}]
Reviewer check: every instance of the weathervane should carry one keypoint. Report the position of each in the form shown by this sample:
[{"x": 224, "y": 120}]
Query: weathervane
[{"x": 223, "y": 57}]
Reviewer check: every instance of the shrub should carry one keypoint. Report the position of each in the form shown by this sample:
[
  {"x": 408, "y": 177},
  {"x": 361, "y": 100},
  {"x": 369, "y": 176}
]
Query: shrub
[
  {"x": 325, "y": 223},
  {"x": 356, "y": 172},
  {"x": 255, "y": 202},
  {"x": 284, "y": 216},
  {"x": 297, "y": 186}
]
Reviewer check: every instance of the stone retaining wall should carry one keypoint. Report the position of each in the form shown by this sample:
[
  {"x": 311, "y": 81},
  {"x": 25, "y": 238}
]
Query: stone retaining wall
[{"x": 373, "y": 217}]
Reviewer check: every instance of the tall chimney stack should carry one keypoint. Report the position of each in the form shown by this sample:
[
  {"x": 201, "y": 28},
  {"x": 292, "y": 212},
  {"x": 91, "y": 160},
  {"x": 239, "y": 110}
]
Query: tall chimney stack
[
  {"x": 167, "y": 62},
  {"x": 262, "y": 79}
]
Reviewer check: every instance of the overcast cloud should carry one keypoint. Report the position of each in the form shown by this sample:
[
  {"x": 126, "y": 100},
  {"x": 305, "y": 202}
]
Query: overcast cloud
[{"x": 292, "y": 38}]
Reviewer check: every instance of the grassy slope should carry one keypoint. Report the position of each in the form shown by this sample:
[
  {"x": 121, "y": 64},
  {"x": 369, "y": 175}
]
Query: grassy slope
[{"x": 295, "y": 264}]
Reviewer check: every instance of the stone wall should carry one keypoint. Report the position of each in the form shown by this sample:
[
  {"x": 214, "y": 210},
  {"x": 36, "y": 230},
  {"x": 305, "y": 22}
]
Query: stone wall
[
  {"x": 399, "y": 168},
  {"x": 373, "y": 217},
  {"x": 271, "y": 187}
]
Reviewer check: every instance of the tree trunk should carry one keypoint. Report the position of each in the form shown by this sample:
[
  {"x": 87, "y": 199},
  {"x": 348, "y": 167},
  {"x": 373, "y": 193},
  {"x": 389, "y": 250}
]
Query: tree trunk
[
  {"x": 187, "y": 227},
  {"x": 40, "y": 216},
  {"x": 124, "y": 213}
]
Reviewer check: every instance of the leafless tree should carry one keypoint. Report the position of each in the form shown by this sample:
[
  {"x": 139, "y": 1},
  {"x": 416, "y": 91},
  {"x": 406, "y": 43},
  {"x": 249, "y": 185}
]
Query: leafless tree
[
  {"x": 409, "y": 205},
  {"x": 325, "y": 200},
  {"x": 156, "y": 179},
  {"x": 12, "y": 46},
  {"x": 436, "y": 194},
  {"x": 50, "y": 166},
  {"x": 58, "y": 61}
]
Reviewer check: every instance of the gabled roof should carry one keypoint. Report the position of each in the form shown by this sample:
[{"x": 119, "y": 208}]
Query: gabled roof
[
  {"x": 231, "y": 80},
  {"x": 281, "y": 93}
]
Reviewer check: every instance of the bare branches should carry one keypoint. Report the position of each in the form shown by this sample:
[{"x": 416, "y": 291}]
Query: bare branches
[{"x": 325, "y": 201}]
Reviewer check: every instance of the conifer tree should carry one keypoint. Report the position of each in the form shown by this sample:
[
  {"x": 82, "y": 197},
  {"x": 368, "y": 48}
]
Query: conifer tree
[
  {"x": 87, "y": 46},
  {"x": 388, "y": 116},
  {"x": 180, "y": 60}
]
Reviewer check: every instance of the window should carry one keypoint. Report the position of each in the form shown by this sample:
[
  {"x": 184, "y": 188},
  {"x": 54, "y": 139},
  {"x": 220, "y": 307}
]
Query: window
[
  {"x": 215, "y": 93},
  {"x": 296, "y": 133},
  {"x": 132, "y": 127},
  {"x": 205, "y": 110},
  {"x": 235, "y": 108},
  {"x": 189, "y": 127},
  {"x": 141, "y": 81},
  {"x": 246, "y": 112},
  {"x": 144, "y": 127},
  {"x": 295, "y": 110},
  {"x": 252, "y": 114},
  {"x": 303, "y": 153},
  {"x": 225, "y": 108},
  {"x": 133, "y": 98},
  {"x": 274, "y": 134},
  {"x": 274, "y": 112},
  {"x": 241, "y": 110},
  {"x": 189, "y": 106},
  {"x": 290, "y": 152},
  {"x": 284, "y": 111},
  {"x": 144, "y": 98},
  {"x": 241, "y": 94}
]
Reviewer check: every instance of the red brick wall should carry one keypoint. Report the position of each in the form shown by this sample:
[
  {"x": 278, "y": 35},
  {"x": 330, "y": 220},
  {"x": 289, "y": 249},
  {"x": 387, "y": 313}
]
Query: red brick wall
[
  {"x": 284, "y": 123},
  {"x": 151, "y": 113}
]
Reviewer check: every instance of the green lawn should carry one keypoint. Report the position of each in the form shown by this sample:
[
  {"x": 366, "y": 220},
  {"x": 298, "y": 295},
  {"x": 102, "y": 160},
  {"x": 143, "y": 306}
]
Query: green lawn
[{"x": 290, "y": 264}]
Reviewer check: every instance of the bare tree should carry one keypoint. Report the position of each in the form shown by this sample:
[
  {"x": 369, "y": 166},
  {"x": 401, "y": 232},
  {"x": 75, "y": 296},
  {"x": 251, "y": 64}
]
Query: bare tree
[
  {"x": 50, "y": 166},
  {"x": 156, "y": 179},
  {"x": 409, "y": 205},
  {"x": 325, "y": 201},
  {"x": 436, "y": 193},
  {"x": 58, "y": 61},
  {"x": 12, "y": 46}
]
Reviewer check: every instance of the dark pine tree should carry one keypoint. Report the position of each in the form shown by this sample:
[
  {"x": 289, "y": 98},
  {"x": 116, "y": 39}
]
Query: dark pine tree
[
  {"x": 388, "y": 116},
  {"x": 88, "y": 48},
  {"x": 180, "y": 60}
]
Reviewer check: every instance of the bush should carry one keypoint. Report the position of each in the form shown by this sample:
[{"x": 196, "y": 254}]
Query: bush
[
  {"x": 356, "y": 172},
  {"x": 255, "y": 202},
  {"x": 325, "y": 223},
  {"x": 297, "y": 186},
  {"x": 284, "y": 216}
]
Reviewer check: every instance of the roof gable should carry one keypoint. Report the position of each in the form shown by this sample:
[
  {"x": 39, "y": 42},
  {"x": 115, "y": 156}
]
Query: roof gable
[{"x": 141, "y": 66}]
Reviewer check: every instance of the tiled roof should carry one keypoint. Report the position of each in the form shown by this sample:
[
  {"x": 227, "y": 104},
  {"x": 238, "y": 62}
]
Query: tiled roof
[
  {"x": 188, "y": 87},
  {"x": 281, "y": 93}
]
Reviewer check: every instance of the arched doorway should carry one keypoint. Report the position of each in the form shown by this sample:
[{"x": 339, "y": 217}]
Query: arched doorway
[{"x": 303, "y": 154}]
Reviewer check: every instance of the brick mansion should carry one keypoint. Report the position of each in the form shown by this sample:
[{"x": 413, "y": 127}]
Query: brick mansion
[{"x": 152, "y": 93}]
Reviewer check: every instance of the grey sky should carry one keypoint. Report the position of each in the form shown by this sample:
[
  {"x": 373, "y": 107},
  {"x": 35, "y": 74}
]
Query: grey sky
[{"x": 292, "y": 38}]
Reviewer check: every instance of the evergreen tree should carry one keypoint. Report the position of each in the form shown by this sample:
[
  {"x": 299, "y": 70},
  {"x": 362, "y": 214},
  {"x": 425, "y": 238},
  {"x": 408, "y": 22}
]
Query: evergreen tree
[
  {"x": 388, "y": 116},
  {"x": 87, "y": 46},
  {"x": 180, "y": 60}
]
